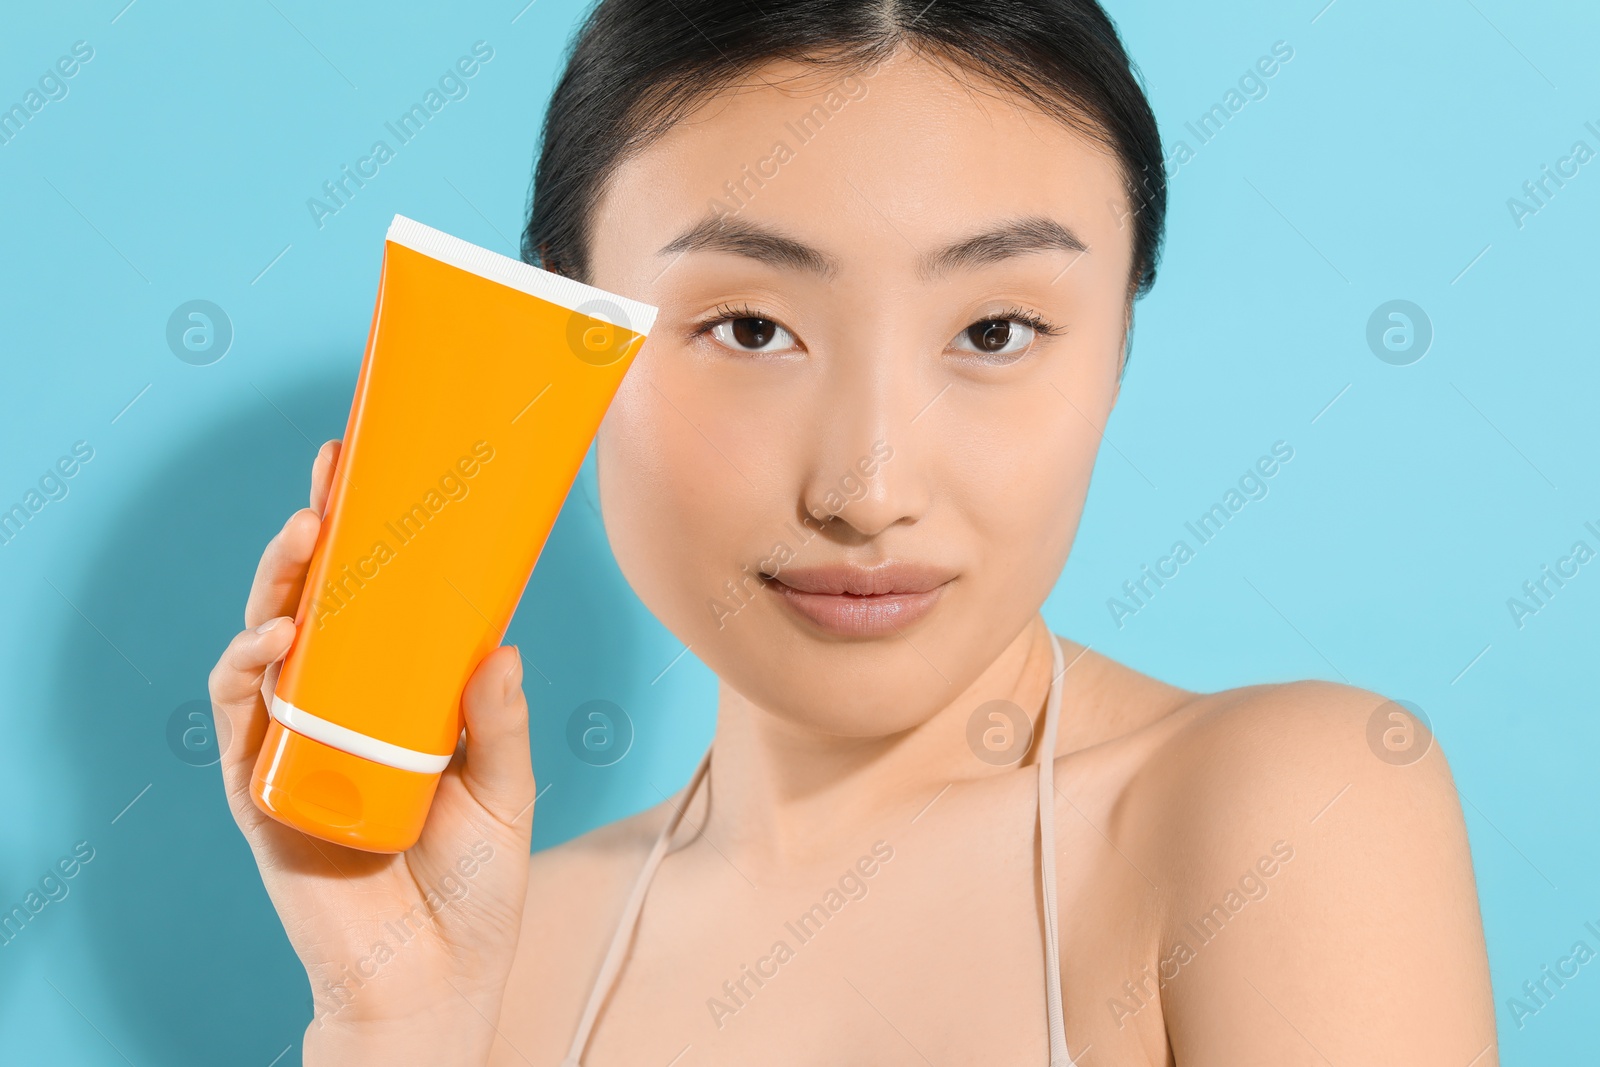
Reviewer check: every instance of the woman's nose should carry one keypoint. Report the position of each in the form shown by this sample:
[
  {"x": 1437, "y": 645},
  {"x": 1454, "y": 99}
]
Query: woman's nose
[{"x": 869, "y": 469}]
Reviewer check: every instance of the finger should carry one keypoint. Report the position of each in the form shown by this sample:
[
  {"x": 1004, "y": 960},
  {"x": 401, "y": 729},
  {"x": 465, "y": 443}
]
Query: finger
[
  {"x": 237, "y": 706},
  {"x": 499, "y": 768},
  {"x": 281, "y": 574},
  {"x": 322, "y": 471}
]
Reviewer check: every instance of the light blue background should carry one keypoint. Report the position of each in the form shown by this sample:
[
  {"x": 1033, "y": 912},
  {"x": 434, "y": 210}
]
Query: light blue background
[{"x": 1378, "y": 167}]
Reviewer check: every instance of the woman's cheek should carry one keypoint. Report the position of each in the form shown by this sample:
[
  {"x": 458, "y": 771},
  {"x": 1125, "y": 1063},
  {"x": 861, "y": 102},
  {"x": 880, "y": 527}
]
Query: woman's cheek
[
  {"x": 639, "y": 470},
  {"x": 1018, "y": 462},
  {"x": 671, "y": 513},
  {"x": 1026, "y": 524}
]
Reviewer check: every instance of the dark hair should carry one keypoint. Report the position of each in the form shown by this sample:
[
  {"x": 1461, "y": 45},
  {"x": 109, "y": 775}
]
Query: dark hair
[{"x": 638, "y": 66}]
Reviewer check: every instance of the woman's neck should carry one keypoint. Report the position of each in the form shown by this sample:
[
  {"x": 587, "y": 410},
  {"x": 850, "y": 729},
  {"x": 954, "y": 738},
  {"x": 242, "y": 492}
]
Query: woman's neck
[{"x": 782, "y": 796}]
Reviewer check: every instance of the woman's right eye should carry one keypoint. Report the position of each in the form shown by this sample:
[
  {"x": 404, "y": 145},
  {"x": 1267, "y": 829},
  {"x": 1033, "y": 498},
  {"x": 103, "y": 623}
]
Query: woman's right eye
[{"x": 752, "y": 334}]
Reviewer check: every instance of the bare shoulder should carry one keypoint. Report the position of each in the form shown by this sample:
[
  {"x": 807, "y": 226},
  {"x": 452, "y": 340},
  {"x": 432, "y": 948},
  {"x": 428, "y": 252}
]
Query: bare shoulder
[
  {"x": 1281, "y": 759},
  {"x": 576, "y": 893},
  {"x": 1104, "y": 701},
  {"x": 595, "y": 868},
  {"x": 577, "y": 889},
  {"x": 1309, "y": 844}
]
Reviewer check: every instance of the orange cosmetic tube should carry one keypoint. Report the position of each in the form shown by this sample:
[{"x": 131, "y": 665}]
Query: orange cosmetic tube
[{"x": 483, "y": 383}]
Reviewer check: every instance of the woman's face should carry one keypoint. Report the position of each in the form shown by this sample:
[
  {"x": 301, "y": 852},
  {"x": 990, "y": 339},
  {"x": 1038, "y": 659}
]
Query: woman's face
[{"x": 892, "y": 311}]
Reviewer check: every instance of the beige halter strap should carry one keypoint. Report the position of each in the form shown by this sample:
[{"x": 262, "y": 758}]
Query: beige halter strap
[{"x": 628, "y": 923}]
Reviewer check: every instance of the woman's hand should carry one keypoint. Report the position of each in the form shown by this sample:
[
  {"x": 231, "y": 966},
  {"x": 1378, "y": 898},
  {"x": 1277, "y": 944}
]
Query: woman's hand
[{"x": 407, "y": 954}]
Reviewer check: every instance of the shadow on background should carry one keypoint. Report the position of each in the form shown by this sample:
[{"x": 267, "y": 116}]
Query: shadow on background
[{"x": 183, "y": 934}]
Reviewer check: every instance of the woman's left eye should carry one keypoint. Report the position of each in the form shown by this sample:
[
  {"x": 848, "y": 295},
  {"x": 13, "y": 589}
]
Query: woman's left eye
[
  {"x": 751, "y": 334},
  {"x": 995, "y": 337}
]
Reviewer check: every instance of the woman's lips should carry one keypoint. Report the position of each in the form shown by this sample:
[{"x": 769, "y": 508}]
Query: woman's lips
[{"x": 861, "y": 601}]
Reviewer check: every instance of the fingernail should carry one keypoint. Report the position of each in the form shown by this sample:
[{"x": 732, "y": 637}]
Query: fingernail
[
  {"x": 514, "y": 676},
  {"x": 268, "y": 625}
]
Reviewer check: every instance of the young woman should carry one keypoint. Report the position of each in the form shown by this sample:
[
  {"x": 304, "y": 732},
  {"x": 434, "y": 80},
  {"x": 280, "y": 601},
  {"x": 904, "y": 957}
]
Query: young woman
[{"x": 896, "y": 247}]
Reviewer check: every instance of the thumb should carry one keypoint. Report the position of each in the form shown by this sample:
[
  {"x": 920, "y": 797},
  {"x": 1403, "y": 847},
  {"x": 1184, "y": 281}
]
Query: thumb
[{"x": 499, "y": 769}]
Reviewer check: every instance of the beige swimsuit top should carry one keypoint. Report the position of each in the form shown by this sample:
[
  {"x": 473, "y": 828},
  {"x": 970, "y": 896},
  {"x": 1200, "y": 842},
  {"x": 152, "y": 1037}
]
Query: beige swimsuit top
[{"x": 622, "y": 940}]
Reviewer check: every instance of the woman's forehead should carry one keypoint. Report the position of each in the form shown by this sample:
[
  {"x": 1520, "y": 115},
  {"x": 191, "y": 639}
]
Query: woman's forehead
[{"x": 909, "y": 151}]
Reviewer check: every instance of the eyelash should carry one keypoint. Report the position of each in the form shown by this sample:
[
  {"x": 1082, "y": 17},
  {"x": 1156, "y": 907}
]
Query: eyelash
[
  {"x": 1033, "y": 319},
  {"x": 727, "y": 313}
]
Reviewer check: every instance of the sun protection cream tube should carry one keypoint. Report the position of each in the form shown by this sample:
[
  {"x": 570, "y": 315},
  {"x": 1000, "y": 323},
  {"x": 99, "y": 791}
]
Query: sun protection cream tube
[{"x": 483, "y": 384}]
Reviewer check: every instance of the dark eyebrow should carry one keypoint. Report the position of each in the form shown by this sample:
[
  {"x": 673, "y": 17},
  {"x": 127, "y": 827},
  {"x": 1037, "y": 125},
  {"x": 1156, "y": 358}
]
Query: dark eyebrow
[
  {"x": 723, "y": 234},
  {"x": 1016, "y": 238},
  {"x": 743, "y": 238}
]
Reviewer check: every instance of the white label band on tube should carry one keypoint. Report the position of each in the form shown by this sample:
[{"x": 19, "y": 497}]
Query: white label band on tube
[
  {"x": 570, "y": 293},
  {"x": 357, "y": 744}
]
